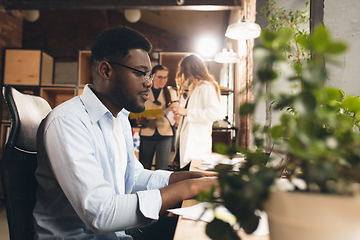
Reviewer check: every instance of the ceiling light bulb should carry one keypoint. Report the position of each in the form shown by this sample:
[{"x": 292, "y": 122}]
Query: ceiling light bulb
[
  {"x": 207, "y": 46},
  {"x": 132, "y": 15},
  {"x": 243, "y": 30},
  {"x": 31, "y": 15}
]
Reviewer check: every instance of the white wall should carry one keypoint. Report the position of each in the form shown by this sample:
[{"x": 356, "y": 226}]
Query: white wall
[
  {"x": 342, "y": 18},
  {"x": 260, "y": 113}
]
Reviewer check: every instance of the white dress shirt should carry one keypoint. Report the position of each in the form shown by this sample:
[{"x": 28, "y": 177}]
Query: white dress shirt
[{"x": 79, "y": 195}]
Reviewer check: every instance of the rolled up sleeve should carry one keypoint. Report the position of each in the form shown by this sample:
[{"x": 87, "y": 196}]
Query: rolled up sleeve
[{"x": 147, "y": 188}]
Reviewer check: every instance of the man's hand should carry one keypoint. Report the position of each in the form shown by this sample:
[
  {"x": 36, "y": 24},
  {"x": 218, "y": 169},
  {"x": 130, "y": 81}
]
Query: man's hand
[
  {"x": 183, "y": 175},
  {"x": 180, "y": 189}
]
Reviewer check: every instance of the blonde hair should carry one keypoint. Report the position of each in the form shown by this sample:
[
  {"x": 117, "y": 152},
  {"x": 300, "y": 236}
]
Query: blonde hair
[{"x": 194, "y": 69}]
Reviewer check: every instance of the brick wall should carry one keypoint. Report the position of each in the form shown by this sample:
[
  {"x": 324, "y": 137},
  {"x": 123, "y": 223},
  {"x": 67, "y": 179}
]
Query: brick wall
[{"x": 11, "y": 24}]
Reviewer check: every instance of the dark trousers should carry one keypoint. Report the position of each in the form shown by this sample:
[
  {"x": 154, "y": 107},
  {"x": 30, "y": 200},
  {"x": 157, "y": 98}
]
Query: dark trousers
[
  {"x": 161, "y": 147},
  {"x": 177, "y": 162},
  {"x": 163, "y": 229}
]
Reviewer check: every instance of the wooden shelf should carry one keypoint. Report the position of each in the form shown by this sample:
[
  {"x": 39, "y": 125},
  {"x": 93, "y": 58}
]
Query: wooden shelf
[
  {"x": 27, "y": 67},
  {"x": 80, "y": 91},
  {"x": 225, "y": 91},
  {"x": 56, "y": 96},
  {"x": 84, "y": 68}
]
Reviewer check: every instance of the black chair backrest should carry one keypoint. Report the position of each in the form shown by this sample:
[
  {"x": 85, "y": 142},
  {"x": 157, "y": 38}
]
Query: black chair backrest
[{"x": 18, "y": 163}]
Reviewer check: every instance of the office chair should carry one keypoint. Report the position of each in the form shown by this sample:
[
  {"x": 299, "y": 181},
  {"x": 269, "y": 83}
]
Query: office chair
[{"x": 18, "y": 163}]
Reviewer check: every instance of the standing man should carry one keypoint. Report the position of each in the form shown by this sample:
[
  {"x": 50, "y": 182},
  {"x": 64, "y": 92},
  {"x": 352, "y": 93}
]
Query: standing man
[{"x": 91, "y": 186}]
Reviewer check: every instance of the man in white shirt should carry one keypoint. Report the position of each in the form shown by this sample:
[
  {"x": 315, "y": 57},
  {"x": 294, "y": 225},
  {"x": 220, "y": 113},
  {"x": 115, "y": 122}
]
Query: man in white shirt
[{"x": 91, "y": 186}]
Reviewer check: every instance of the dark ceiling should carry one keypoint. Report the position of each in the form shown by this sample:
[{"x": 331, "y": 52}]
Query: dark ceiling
[
  {"x": 121, "y": 4},
  {"x": 188, "y": 19}
]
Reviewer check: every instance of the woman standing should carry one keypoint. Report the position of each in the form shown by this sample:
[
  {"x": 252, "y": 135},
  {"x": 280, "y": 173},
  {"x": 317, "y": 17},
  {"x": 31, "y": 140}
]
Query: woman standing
[
  {"x": 156, "y": 134},
  {"x": 199, "y": 107}
]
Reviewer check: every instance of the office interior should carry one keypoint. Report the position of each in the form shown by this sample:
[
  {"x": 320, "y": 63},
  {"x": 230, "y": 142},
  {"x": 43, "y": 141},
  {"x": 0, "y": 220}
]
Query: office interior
[{"x": 62, "y": 30}]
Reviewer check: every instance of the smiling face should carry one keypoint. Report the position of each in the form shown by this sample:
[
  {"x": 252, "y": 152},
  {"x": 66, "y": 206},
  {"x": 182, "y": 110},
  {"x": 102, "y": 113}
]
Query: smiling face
[
  {"x": 161, "y": 78},
  {"x": 126, "y": 87}
]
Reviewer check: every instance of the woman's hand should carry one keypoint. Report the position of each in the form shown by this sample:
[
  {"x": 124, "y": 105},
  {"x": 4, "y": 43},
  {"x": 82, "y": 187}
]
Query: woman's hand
[
  {"x": 177, "y": 119},
  {"x": 177, "y": 110}
]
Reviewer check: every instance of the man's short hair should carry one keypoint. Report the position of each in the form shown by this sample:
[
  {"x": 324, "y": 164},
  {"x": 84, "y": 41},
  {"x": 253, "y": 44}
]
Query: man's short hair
[{"x": 116, "y": 42}]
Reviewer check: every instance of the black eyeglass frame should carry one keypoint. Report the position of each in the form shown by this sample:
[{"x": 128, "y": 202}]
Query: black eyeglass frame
[{"x": 147, "y": 75}]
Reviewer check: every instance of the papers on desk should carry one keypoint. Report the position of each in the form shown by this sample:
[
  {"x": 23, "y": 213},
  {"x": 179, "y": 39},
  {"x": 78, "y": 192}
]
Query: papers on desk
[
  {"x": 203, "y": 212},
  {"x": 212, "y": 161}
]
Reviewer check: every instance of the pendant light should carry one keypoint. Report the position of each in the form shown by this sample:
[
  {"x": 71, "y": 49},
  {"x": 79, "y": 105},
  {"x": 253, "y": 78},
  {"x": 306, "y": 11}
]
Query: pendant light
[
  {"x": 226, "y": 56},
  {"x": 243, "y": 30},
  {"x": 31, "y": 15},
  {"x": 132, "y": 15}
]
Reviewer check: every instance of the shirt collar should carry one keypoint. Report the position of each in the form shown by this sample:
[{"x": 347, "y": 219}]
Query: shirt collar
[{"x": 95, "y": 108}]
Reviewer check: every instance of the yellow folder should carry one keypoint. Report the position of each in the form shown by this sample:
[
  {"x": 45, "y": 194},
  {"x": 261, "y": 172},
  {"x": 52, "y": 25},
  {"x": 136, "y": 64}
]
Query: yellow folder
[{"x": 150, "y": 112}]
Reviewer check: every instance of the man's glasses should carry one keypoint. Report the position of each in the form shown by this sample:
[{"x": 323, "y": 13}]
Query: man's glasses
[{"x": 147, "y": 76}]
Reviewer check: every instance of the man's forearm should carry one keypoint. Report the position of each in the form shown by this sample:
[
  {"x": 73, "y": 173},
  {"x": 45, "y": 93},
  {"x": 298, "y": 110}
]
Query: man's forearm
[
  {"x": 176, "y": 192},
  {"x": 183, "y": 175}
]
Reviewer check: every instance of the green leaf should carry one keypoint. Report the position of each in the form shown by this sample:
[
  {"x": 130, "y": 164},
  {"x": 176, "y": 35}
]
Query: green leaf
[
  {"x": 277, "y": 132},
  {"x": 223, "y": 168},
  {"x": 251, "y": 224},
  {"x": 226, "y": 150},
  {"x": 357, "y": 116},
  {"x": 284, "y": 101},
  {"x": 267, "y": 75},
  {"x": 263, "y": 55},
  {"x": 333, "y": 94},
  {"x": 282, "y": 37},
  {"x": 285, "y": 118},
  {"x": 219, "y": 230},
  {"x": 352, "y": 104},
  {"x": 305, "y": 103},
  {"x": 221, "y": 148},
  {"x": 206, "y": 196},
  {"x": 304, "y": 41},
  {"x": 267, "y": 37},
  {"x": 313, "y": 76},
  {"x": 336, "y": 47},
  {"x": 320, "y": 39},
  {"x": 247, "y": 108}
]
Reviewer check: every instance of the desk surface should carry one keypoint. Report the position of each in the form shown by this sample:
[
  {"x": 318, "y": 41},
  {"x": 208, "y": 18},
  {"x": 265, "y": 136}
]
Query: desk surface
[{"x": 195, "y": 230}]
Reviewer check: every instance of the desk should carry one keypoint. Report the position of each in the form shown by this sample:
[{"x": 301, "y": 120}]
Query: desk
[{"x": 195, "y": 230}]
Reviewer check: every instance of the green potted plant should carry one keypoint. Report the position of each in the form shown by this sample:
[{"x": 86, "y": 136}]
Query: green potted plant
[{"x": 318, "y": 133}]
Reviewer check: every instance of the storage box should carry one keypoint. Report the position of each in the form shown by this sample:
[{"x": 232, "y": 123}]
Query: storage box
[{"x": 27, "y": 67}]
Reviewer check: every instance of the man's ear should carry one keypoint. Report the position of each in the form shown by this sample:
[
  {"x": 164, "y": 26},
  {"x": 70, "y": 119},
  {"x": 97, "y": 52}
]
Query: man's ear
[{"x": 105, "y": 70}]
